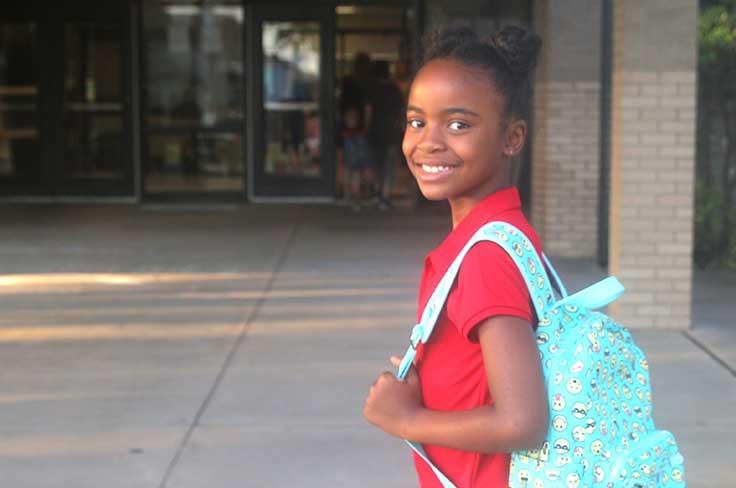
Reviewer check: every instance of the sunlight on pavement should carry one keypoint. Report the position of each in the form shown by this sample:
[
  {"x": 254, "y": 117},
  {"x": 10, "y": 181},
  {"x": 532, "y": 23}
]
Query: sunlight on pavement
[
  {"x": 101, "y": 332},
  {"x": 71, "y": 282},
  {"x": 301, "y": 293}
]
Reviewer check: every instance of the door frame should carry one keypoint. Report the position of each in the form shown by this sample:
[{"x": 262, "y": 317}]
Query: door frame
[{"x": 262, "y": 187}]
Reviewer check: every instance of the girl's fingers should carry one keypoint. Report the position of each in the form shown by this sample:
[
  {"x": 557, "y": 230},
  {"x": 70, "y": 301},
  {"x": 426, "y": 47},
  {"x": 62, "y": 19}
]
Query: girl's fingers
[{"x": 395, "y": 360}]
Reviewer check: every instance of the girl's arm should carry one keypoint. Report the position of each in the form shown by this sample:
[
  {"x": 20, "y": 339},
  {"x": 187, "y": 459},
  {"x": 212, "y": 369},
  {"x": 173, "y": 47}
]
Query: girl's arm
[{"x": 517, "y": 420}]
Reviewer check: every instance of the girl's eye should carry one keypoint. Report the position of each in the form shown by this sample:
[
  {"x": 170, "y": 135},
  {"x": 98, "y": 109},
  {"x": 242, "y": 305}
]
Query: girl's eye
[
  {"x": 415, "y": 123},
  {"x": 457, "y": 125}
]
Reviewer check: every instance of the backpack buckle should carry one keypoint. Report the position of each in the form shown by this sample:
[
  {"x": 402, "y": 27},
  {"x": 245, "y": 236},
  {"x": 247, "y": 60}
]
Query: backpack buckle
[{"x": 417, "y": 336}]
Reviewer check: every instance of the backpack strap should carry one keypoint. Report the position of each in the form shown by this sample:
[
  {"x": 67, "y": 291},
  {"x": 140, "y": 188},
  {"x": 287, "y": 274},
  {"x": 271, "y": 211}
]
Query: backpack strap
[
  {"x": 556, "y": 281},
  {"x": 522, "y": 252}
]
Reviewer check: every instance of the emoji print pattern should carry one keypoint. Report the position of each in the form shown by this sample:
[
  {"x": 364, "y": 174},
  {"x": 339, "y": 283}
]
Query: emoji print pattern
[{"x": 602, "y": 433}]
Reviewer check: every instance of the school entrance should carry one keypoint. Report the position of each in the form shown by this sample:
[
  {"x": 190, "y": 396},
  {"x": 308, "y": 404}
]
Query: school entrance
[{"x": 181, "y": 100}]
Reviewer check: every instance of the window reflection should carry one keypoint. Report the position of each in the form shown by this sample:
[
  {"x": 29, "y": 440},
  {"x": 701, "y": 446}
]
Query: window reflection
[
  {"x": 291, "y": 84},
  {"x": 195, "y": 163},
  {"x": 194, "y": 64},
  {"x": 193, "y": 82}
]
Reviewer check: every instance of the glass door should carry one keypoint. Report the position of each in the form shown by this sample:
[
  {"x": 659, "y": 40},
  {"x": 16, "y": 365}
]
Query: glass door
[
  {"x": 63, "y": 99},
  {"x": 89, "y": 142},
  {"x": 21, "y": 163},
  {"x": 192, "y": 81},
  {"x": 93, "y": 109},
  {"x": 292, "y": 58}
]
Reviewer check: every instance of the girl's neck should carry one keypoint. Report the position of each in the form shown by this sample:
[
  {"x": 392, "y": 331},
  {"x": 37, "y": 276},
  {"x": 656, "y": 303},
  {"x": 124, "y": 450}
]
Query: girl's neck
[{"x": 461, "y": 207}]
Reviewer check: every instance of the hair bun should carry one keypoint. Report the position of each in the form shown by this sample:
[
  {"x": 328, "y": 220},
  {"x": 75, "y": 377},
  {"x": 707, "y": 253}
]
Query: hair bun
[{"x": 517, "y": 47}]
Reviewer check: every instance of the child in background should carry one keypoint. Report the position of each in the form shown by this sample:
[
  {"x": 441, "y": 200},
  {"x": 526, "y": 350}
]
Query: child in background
[
  {"x": 357, "y": 157},
  {"x": 476, "y": 390}
]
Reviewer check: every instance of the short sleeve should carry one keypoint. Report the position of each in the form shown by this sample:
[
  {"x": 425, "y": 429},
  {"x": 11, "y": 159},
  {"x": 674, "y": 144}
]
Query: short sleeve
[{"x": 489, "y": 284}]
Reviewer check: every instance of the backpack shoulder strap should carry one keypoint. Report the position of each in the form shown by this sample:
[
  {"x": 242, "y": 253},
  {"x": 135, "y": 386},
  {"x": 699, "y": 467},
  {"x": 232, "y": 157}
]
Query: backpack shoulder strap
[{"x": 522, "y": 252}]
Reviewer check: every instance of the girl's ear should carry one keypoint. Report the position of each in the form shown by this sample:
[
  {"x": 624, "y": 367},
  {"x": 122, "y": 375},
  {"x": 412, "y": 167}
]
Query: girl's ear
[{"x": 514, "y": 137}]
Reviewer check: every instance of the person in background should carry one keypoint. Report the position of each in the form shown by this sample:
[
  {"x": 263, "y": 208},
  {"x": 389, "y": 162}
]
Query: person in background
[
  {"x": 385, "y": 131},
  {"x": 354, "y": 116}
]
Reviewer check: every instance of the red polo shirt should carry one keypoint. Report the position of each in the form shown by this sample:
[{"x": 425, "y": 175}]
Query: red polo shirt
[{"x": 450, "y": 365}]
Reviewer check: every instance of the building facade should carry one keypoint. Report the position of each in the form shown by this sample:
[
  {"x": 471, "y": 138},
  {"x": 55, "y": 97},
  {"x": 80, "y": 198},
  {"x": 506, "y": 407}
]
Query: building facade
[{"x": 150, "y": 100}]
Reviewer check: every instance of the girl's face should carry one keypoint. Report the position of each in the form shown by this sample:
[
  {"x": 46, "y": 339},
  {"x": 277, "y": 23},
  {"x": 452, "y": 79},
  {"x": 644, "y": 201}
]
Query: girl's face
[{"x": 457, "y": 144}]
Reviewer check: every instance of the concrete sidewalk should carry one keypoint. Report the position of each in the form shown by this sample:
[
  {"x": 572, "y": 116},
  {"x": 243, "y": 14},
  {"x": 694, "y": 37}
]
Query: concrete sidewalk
[{"x": 155, "y": 347}]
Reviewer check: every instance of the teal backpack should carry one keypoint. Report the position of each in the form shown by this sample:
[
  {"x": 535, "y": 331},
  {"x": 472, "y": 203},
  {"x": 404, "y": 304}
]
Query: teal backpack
[{"x": 602, "y": 433}]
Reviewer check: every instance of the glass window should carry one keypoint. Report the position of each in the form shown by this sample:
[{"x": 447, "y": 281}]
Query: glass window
[
  {"x": 195, "y": 163},
  {"x": 291, "y": 84},
  {"x": 20, "y": 148},
  {"x": 193, "y": 83},
  {"x": 193, "y": 64}
]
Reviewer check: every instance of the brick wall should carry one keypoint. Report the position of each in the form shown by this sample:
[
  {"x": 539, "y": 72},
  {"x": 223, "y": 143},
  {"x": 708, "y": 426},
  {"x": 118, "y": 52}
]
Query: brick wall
[
  {"x": 653, "y": 155},
  {"x": 565, "y": 136}
]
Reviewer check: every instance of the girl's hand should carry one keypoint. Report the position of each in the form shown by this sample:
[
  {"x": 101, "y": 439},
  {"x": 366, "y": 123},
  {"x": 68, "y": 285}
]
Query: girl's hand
[{"x": 392, "y": 403}]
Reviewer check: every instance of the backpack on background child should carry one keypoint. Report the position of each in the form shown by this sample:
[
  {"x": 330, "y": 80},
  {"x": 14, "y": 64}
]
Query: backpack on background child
[{"x": 602, "y": 433}]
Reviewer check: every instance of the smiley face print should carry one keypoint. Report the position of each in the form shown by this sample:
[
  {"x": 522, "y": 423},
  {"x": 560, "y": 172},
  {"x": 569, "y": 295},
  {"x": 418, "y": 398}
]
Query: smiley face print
[
  {"x": 559, "y": 423},
  {"x": 572, "y": 480},
  {"x": 579, "y": 410},
  {"x": 578, "y": 433},
  {"x": 594, "y": 342},
  {"x": 562, "y": 460},
  {"x": 558, "y": 402},
  {"x": 552, "y": 474},
  {"x": 559, "y": 376},
  {"x": 562, "y": 446},
  {"x": 574, "y": 386},
  {"x": 517, "y": 249},
  {"x": 596, "y": 447},
  {"x": 577, "y": 367},
  {"x": 524, "y": 476},
  {"x": 598, "y": 473}
]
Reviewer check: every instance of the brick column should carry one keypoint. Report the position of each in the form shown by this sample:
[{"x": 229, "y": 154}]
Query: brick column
[
  {"x": 565, "y": 136},
  {"x": 653, "y": 159}
]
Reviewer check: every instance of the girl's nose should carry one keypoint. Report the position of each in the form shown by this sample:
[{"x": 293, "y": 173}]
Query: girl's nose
[{"x": 431, "y": 140}]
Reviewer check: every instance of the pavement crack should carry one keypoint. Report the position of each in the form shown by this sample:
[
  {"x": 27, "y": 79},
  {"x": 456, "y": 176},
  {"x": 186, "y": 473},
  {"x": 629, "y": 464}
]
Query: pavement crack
[
  {"x": 713, "y": 355},
  {"x": 252, "y": 316}
]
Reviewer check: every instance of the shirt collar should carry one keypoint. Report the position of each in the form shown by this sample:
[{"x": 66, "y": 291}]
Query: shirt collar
[{"x": 490, "y": 207}]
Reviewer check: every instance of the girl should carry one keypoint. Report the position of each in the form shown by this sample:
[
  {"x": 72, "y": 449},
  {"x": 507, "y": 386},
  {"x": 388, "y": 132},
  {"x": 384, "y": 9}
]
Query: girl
[{"x": 476, "y": 390}]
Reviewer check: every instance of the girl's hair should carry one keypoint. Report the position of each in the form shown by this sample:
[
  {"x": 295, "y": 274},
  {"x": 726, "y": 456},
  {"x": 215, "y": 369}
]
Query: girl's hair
[{"x": 508, "y": 57}]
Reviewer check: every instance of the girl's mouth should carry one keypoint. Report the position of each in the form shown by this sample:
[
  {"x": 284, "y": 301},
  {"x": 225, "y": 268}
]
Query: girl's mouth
[{"x": 434, "y": 172}]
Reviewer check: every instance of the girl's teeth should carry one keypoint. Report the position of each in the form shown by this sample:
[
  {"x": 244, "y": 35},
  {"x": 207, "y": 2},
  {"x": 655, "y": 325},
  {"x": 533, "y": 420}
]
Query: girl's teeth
[{"x": 435, "y": 169}]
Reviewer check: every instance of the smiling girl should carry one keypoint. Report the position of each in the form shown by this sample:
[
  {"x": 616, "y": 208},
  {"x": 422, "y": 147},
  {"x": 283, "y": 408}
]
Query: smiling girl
[{"x": 476, "y": 390}]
